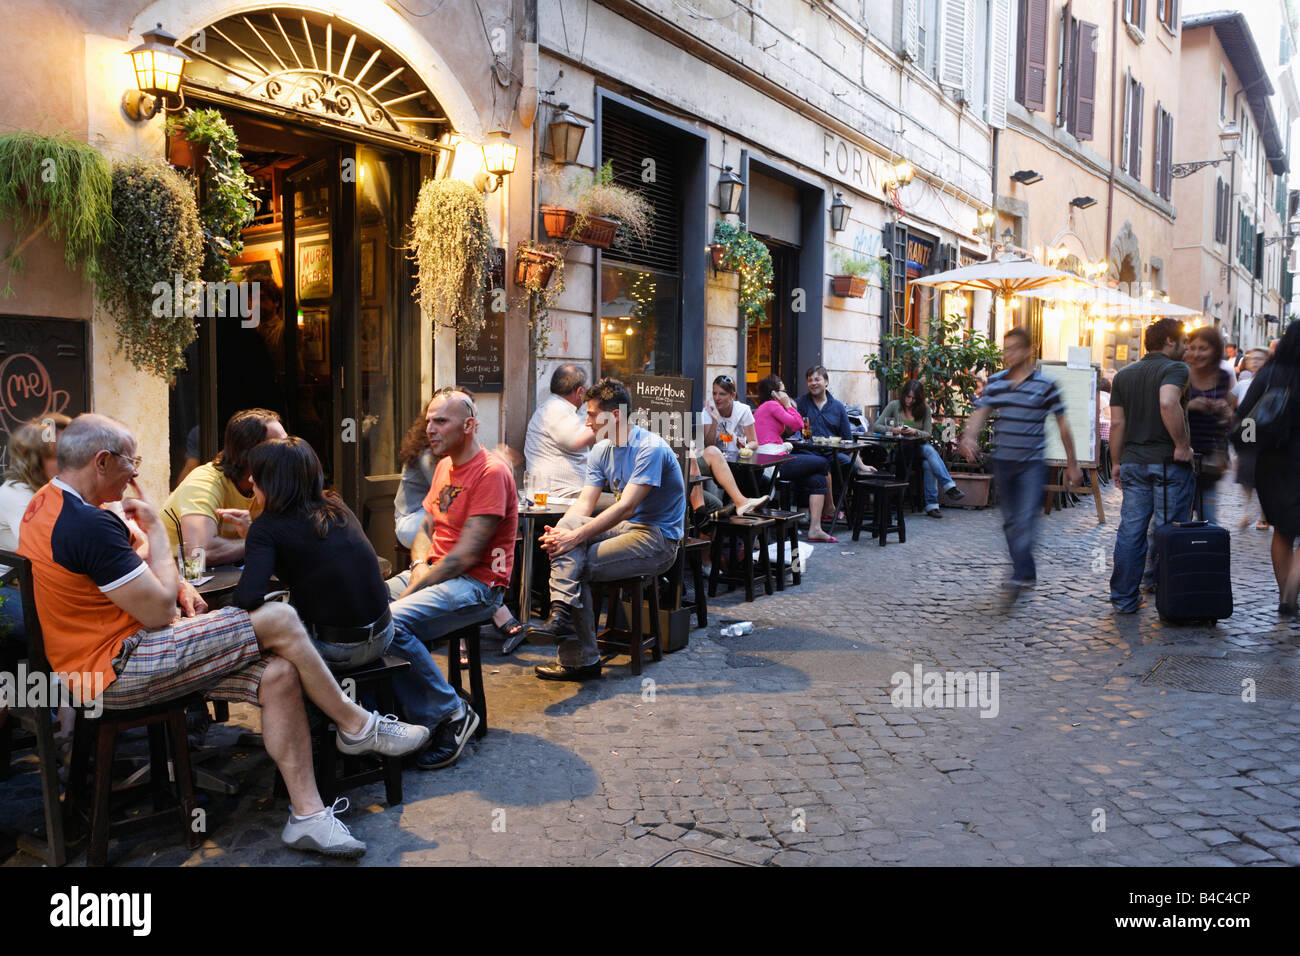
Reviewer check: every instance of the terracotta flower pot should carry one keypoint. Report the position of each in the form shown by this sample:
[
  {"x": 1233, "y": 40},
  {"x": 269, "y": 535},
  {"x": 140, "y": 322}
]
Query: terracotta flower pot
[
  {"x": 181, "y": 152},
  {"x": 597, "y": 231},
  {"x": 559, "y": 222},
  {"x": 533, "y": 269},
  {"x": 849, "y": 287},
  {"x": 716, "y": 251},
  {"x": 978, "y": 489}
]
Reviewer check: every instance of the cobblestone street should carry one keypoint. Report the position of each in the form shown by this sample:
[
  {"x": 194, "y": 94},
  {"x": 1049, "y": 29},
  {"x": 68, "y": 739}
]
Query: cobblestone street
[{"x": 783, "y": 746}]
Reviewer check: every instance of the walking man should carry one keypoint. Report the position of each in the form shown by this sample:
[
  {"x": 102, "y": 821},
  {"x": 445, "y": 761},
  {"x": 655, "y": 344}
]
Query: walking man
[
  {"x": 1023, "y": 398},
  {"x": 1148, "y": 428}
]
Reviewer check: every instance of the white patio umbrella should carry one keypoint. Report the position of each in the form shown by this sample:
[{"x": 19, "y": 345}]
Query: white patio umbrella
[
  {"x": 1152, "y": 307},
  {"x": 1005, "y": 276}
]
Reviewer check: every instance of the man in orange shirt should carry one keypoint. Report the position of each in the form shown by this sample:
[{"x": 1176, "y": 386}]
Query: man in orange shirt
[
  {"x": 463, "y": 556},
  {"x": 106, "y": 612}
]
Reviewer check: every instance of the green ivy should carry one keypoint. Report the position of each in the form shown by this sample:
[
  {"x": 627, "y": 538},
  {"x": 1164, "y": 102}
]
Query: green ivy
[
  {"x": 747, "y": 255},
  {"x": 158, "y": 238},
  {"x": 55, "y": 185},
  {"x": 229, "y": 203}
]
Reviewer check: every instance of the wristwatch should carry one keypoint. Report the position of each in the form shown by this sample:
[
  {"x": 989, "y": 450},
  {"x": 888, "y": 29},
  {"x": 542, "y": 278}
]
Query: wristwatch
[{"x": 417, "y": 562}]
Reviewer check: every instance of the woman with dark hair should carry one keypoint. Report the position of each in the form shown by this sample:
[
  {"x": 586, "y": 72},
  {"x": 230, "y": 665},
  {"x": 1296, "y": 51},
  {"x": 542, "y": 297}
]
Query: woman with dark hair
[
  {"x": 909, "y": 416},
  {"x": 776, "y": 413},
  {"x": 1209, "y": 412},
  {"x": 309, "y": 539},
  {"x": 1277, "y": 468}
]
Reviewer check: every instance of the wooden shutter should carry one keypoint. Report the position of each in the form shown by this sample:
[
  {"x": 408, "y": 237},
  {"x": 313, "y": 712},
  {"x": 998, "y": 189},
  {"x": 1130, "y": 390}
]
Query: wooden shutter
[
  {"x": 1032, "y": 66},
  {"x": 1065, "y": 75},
  {"x": 999, "y": 55},
  {"x": 626, "y": 143},
  {"x": 1158, "y": 166},
  {"x": 1141, "y": 6},
  {"x": 910, "y": 19},
  {"x": 1126, "y": 125},
  {"x": 1085, "y": 84},
  {"x": 953, "y": 29},
  {"x": 1135, "y": 136},
  {"x": 1168, "y": 147}
]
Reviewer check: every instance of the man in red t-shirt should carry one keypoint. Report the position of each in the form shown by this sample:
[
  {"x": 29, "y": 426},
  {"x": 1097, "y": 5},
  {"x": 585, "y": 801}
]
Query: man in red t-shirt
[{"x": 462, "y": 559}]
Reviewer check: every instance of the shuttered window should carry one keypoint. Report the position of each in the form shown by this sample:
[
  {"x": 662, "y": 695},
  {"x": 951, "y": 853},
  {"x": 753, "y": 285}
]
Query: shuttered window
[
  {"x": 1077, "y": 91},
  {"x": 635, "y": 152},
  {"x": 1000, "y": 55},
  {"x": 1131, "y": 152},
  {"x": 1162, "y": 169},
  {"x": 1220, "y": 210},
  {"x": 1031, "y": 60},
  {"x": 1167, "y": 13},
  {"x": 1135, "y": 13}
]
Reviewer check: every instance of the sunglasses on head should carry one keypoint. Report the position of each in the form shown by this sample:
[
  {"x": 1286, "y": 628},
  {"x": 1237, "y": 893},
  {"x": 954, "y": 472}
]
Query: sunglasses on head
[{"x": 722, "y": 380}]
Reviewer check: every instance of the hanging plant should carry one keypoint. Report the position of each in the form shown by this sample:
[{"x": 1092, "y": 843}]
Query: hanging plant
[
  {"x": 539, "y": 274},
  {"x": 743, "y": 253},
  {"x": 229, "y": 203},
  {"x": 452, "y": 245},
  {"x": 158, "y": 244},
  {"x": 597, "y": 211},
  {"x": 54, "y": 185}
]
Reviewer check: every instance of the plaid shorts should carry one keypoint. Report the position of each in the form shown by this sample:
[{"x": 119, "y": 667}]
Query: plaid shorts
[{"x": 214, "y": 654}]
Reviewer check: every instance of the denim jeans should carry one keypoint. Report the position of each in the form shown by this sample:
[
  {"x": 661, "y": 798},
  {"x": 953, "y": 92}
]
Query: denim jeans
[
  {"x": 11, "y": 613},
  {"x": 342, "y": 657},
  {"x": 421, "y": 618},
  {"x": 624, "y": 550},
  {"x": 935, "y": 474},
  {"x": 1020, "y": 491},
  {"x": 1145, "y": 489}
]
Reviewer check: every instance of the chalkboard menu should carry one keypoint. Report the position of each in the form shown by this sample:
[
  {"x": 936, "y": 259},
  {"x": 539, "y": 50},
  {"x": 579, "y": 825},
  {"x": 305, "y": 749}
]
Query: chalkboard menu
[
  {"x": 482, "y": 368},
  {"x": 663, "y": 404},
  {"x": 43, "y": 368}
]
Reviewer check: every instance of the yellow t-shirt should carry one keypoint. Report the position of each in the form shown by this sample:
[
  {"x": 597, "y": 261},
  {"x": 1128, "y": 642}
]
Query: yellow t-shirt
[{"x": 204, "y": 490}]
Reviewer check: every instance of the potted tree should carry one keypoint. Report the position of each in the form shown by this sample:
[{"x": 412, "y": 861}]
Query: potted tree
[
  {"x": 950, "y": 360},
  {"x": 595, "y": 208}
]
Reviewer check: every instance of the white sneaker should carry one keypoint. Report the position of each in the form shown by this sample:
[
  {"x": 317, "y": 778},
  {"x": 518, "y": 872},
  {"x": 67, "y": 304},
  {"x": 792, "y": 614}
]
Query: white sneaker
[
  {"x": 385, "y": 736},
  {"x": 324, "y": 833}
]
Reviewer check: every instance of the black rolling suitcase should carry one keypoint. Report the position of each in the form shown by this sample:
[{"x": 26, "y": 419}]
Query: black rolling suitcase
[{"x": 1193, "y": 570}]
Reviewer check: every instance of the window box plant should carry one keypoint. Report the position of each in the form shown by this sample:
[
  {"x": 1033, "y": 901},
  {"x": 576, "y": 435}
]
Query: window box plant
[
  {"x": 595, "y": 209},
  {"x": 851, "y": 281},
  {"x": 534, "y": 266}
]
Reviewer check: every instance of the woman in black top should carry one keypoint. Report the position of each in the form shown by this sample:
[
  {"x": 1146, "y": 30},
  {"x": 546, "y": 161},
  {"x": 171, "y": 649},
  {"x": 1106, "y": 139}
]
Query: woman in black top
[
  {"x": 1209, "y": 412},
  {"x": 307, "y": 537}
]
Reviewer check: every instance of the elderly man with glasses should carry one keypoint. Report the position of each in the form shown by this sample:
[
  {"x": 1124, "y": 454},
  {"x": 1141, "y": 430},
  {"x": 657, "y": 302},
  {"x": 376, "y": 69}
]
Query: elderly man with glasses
[{"x": 462, "y": 559}]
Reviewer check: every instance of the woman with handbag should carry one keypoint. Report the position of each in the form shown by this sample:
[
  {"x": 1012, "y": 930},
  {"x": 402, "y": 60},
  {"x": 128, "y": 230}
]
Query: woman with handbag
[
  {"x": 1271, "y": 421},
  {"x": 1209, "y": 412}
]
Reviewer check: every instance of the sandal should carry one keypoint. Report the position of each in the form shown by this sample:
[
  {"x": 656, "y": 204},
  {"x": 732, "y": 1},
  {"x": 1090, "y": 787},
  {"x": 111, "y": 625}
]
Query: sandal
[{"x": 510, "y": 628}]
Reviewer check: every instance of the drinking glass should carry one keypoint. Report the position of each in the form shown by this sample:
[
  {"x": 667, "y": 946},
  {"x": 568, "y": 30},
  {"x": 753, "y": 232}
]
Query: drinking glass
[
  {"x": 193, "y": 564},
  {"x": 541, "y": 486}
]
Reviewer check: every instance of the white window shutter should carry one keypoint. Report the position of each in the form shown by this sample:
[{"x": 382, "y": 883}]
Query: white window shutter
[
  {"x": 911, "y": 19},
  {"x": 952, "y": 43},
  {"x": 971, "y": 58},
  {"x": 999, "y": 62}
]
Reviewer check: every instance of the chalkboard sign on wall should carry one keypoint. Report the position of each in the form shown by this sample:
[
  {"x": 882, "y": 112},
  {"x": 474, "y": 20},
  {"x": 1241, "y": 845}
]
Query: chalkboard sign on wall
[
  {"x": 482, "y": 368},
  {"x": 43, "y": 368}
]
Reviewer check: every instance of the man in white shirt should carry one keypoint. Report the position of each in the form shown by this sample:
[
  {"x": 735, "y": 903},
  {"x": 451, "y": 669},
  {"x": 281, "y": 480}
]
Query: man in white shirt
[{"x": 558, "y": 439}]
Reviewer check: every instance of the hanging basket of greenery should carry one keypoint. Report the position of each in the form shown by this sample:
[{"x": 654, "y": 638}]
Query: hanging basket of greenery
[
  {"x": 57, "y": 186},
  {"x": 452, "y": 245},
  {"x": 158, "y": 244},
  {"x": 743, "y": 253},
  {"x": 851, "y": 280},
  {"x": 539, "y": 274},
  {"x": 229, "y": 203}
]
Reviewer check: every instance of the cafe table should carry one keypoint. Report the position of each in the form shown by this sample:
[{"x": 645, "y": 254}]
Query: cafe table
[
  {"x": 754, "y": 465},
  {"x": 853, "y": 449},
  {"x": 530, "y": 529}
]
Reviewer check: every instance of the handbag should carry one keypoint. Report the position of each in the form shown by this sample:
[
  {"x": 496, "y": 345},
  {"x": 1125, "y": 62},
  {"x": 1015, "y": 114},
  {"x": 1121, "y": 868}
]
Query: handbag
[
  {"x": 1270, "y": 419},
  {"x": 1215, "y": 464}
]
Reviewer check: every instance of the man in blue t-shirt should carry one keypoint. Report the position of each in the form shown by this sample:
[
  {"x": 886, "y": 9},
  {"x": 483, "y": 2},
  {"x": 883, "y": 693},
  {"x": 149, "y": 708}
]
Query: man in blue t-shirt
[{"x": 636, "y": 535}]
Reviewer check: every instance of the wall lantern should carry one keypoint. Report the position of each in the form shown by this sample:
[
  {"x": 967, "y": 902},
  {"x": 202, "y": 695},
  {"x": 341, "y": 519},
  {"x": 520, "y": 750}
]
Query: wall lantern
[
  {"x": 499, "y": 155},
  {"x": 839, "y": 213},
  {"x": 986, "y": 219},
  {"x": 1027, "y": 177},
  {"x": 1228, "y": 140},
  {"x": 730, "y": 186},
  {"x": 567, "y": 132},
  {"x": 158, "y": 68},
  {"x": 1082, "y": 202},
  {"x": 899, "y": 174}
]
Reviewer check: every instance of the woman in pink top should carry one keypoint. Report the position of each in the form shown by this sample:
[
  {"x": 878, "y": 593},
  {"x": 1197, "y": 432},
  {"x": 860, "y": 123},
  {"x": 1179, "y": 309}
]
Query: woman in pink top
[{"x": 776, "y": 414}]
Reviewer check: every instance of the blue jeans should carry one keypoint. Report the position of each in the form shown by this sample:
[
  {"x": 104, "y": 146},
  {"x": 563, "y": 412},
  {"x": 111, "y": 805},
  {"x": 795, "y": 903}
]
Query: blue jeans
[
  {"x": 11, "y": 613},
  {"x": 1020, "y": 491},
  {"x": 935, "y": 474},
  {"x": 1145, "y": 489},
  {"x": 422, "y": 692},
  {"x": 347, "y": 656}
]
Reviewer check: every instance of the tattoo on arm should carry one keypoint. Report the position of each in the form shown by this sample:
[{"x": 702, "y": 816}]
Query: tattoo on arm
[{"x": 473, "y": 542}]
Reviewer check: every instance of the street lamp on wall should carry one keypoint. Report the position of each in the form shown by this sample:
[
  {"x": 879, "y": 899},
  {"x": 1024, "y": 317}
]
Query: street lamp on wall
[
  {"x": 567, "y": 132},
  {"x": 1228, "y": 140},
  {"x": 158, "y": 66},
  {"x": 839, "y": 213},
  {"x": 730, "y": 187},
  {"x": 499, "y": 156}
]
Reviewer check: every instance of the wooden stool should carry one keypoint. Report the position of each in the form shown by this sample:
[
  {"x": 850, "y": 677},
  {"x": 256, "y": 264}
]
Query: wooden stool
[
  {"x": 787, "y": 530},
  {"x": 469, "y": 633},
  {"x": 690, "y": 554},
  {"x": 748, "y": 533},
  {"x": 166, "y": 723},
  {"x": 887, "y": 496},
  {"x": 331, "y": 780},
  {"x": 631, "y": 639}
]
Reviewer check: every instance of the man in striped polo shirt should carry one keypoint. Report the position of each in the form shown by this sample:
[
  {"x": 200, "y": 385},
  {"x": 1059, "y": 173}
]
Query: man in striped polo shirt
[{"x": 1023, "y": 398}]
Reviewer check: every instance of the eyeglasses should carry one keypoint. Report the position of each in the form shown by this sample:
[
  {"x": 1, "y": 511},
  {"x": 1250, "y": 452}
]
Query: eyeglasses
[{"x": 134, "y": 462}]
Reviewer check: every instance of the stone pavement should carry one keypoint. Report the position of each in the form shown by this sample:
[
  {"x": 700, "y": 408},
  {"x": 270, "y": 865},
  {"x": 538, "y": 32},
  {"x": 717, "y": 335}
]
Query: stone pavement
[{"x": 783, "y": 746}]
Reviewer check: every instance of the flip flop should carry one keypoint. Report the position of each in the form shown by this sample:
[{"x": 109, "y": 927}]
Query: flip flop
[{"x": 512, "y": 632}]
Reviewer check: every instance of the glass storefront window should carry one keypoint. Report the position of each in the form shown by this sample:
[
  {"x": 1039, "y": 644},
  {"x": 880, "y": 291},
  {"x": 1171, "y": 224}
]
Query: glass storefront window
[{"x": 640, "y": 322}]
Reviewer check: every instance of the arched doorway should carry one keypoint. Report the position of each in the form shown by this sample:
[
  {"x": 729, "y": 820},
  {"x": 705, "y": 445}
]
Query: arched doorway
[{"x": 337, "y": 132}]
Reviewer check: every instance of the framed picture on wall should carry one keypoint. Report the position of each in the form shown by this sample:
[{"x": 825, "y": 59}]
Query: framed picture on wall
[
  {"x": 315, "y": 327},
  {"x": 615, "y": 347},
  {"x": 373, "y": 346},
  {"x": 314, "y": 279}
]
